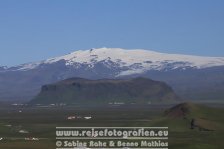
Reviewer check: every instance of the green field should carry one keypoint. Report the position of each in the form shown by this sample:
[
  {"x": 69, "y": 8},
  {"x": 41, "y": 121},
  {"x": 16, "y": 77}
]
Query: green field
[{"x": 41, "y": 122}]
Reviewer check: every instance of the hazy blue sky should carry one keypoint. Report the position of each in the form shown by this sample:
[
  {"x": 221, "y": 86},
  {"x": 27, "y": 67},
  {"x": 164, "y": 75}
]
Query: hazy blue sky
[{"x": 32, "y": 30}]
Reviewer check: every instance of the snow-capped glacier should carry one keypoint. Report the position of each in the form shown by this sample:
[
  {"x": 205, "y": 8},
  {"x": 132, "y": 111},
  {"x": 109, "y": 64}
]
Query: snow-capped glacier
[{"x": 134, "y": 60}]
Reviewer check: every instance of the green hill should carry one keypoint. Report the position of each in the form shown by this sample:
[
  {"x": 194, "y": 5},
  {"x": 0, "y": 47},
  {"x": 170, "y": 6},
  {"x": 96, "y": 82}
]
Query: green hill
[
  {"x": 197, "y": 116},
  {"x": 84, "y": 91},
  {"x": 193, "y": 126}
]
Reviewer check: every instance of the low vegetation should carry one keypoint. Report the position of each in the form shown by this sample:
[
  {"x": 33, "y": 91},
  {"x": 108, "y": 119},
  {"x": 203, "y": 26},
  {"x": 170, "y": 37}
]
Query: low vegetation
[{"x": 40, "y": 122}]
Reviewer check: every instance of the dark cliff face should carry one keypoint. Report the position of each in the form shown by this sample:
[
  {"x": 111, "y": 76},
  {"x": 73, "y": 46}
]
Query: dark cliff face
[{"x": 78, "y": 90}]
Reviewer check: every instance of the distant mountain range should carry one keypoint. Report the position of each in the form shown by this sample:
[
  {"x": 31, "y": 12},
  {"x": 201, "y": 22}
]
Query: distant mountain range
[
  {"x": 192, "y": 77},
  {"x": 105, "y": 91}
]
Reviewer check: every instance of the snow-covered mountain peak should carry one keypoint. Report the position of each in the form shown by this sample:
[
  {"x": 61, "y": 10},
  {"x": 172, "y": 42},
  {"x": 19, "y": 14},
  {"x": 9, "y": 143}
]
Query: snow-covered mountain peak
[
  {"x": 134, "y": 61},
  {"x": 136, "y": 56}
]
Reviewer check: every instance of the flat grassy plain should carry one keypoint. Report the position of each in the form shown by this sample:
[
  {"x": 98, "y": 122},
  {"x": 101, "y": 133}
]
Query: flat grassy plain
[{"x": 41, "y": 122}]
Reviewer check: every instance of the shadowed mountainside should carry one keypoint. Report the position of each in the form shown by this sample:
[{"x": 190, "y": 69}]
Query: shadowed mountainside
[{"x": 78, "y": 90}]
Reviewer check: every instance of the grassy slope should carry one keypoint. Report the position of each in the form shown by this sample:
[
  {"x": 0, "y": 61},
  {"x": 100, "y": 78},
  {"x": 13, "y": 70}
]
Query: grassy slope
[{"x": 180, "y": 134}]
